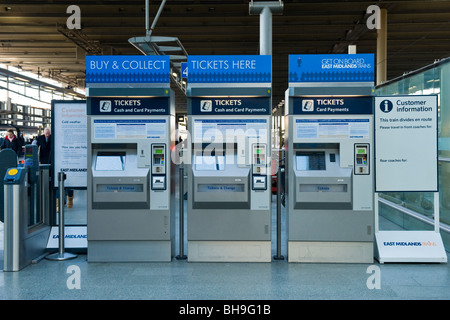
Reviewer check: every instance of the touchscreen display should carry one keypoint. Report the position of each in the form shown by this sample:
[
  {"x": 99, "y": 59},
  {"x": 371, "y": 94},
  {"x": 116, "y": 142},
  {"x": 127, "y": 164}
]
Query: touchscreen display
[{"x": 306, "y": 160}]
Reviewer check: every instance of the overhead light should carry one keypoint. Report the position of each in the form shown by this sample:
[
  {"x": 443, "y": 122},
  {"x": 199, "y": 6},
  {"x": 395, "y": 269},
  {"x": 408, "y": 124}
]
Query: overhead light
[{"x": 8, "y": 8}]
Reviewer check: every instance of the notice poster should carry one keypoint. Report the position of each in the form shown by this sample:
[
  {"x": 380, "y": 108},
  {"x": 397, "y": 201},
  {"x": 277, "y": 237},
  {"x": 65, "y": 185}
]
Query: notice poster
[
  {"x": 406, "y": 146},
  {"x": 70, "y": 142}
]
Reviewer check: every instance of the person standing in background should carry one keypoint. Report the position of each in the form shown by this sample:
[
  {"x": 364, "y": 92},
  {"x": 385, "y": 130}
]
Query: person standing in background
[
  {"x": 12, "y": 142},
  {"x": 44, "y": 145}
]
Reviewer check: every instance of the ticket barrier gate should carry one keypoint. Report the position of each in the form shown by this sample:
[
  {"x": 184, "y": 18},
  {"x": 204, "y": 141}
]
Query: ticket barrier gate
[{"x": 27, "y": 212}]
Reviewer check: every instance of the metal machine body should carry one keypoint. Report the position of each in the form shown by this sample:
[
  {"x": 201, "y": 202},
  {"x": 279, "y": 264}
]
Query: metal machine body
[
  {"x": 228, "y": 169},
  {"x": 130, "y": 175},
  {"x": 27, "y": 212},
  {"x": 329, "y": 166}
]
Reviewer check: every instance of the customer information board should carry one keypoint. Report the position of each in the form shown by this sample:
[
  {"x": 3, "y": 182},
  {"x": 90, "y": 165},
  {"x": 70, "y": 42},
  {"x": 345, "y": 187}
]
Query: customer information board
[
  {"x": 406, "y": 145},
  {"x": 69, "y": 127}
]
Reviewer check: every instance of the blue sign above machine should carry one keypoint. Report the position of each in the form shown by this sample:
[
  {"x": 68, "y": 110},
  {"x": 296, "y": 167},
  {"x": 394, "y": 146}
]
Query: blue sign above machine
[
  {"x": 128, "y": 106},
  {"x": 333, "y": 105},
  {"x": 331, "y": 68},
  {"x": 229, "y": 69},
  {"x": 127, "y": 69},
  {"x": 234, "y": 106}
]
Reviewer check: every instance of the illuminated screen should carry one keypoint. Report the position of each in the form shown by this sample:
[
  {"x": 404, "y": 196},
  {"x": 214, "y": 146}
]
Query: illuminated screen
[
  {"x": 208, "y": 163},
  {"x": 306, "y": 161},
  {"x": 362, "y": 151},
  {"x": 109, "y": 163}
]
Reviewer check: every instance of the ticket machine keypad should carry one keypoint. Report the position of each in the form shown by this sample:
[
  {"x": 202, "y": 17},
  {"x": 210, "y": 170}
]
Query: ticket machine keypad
[
  {"x": 158, "y": 167},
  {"x": 361, "y": 159},
  {"x": 259, "y": 171}
]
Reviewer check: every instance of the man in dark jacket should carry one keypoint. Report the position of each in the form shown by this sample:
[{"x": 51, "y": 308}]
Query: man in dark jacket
[
  {"x": 12, "y": 142},
  {"x": 44, "y": 145}
]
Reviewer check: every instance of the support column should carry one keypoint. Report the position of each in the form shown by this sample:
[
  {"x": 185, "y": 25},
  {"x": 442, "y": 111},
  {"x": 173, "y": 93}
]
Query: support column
[
  {"x": 265, "y": 9},
  {"x": 382, "y": 48},
  {"x": 265, "y": 32}
]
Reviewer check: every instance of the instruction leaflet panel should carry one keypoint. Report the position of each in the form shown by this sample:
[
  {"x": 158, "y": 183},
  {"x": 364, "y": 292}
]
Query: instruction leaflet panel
[
  {"x": 336, "y": 128},
  {"x": 406, "y": 143},
  {"x": 129, "y": 129},
  {"x": 216, "y": 129}
]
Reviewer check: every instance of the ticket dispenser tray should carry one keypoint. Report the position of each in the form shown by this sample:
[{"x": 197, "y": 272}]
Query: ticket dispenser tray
[
  {"x": 219, "y": 182},
  {"x": 117, "y": 181}
]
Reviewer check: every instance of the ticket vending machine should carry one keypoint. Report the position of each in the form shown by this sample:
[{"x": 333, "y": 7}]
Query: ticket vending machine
[
  {"x": 130, "y": 175},
  {"x": 329, "y": 160},
  {"x": 228, "y": 159}
]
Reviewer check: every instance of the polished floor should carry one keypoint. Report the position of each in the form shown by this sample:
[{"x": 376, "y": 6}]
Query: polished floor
[{"x": 183, "y": 280}]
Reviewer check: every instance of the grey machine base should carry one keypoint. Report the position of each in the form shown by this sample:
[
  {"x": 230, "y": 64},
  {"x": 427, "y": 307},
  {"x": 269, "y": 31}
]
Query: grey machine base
[
  {"x": 129, "y": 251},
  {"x": 330, "y": 252},
  {"x": 229, "y": 251}
]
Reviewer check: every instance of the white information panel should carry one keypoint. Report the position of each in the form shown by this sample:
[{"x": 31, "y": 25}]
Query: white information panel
[
  {"x": 406, "y": 155},
  {"x": 406, "y": 159},
  {"x": 69, "y": 130}
]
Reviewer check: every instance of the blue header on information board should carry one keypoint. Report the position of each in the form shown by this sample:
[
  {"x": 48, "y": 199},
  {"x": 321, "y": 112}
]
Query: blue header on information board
[
  {"x": 127, "y": 69},
  {"x": 331, "y": 68},
  {"x": 229, "y": 69}
]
